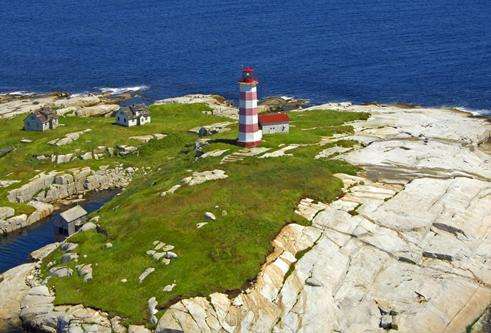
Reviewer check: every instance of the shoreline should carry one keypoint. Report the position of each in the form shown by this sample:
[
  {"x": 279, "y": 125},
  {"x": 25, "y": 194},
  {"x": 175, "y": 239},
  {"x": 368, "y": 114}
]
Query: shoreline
[
  {"x": 440, "y": 139},
  {"x": 134, "y": 91}
]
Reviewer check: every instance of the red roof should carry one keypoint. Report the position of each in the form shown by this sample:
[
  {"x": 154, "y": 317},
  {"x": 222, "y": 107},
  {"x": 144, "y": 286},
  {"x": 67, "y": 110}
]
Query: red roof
[{"x": 273, "y": 118}]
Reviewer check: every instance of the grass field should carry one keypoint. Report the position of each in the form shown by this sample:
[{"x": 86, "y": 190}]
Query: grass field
[
  {"x": 259, "y": 198},
  {"x": 21, "y": 164}
]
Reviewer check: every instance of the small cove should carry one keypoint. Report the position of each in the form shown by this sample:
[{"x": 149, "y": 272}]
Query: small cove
[{"x": 16, "y": 247}]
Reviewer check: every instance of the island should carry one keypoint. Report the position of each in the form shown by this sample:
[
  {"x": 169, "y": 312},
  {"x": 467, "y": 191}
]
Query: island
[{"x": 360, "y": 218}]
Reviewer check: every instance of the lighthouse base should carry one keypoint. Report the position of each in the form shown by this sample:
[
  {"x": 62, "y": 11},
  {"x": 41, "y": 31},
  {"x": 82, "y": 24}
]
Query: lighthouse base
[{"x": 249, "y": 144}]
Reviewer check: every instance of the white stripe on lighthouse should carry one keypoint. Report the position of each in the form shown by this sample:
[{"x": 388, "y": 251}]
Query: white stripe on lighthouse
[
  {"x": 247, "y": 120},
  {"x": 250, "y": 137},
  {"x": 248, "y": 104},
  {"x": 247, "y": 87}
]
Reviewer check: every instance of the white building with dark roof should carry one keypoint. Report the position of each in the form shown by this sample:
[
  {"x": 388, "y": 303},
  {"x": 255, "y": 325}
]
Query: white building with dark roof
[
  {"x": 134, "y": 115},
  {"x": 41, "y": 120}
]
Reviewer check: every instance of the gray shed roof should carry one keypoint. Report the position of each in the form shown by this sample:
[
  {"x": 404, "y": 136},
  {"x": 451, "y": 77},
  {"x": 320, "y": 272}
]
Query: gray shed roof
[
  {"x": 44, "y": 114},
  {"x": 136, "y": 110},
  {"x": 73, "y": 213}
]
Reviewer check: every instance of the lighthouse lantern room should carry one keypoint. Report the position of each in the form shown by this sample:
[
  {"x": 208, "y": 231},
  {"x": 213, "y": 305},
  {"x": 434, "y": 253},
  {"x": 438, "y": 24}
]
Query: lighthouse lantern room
[{"x": 249, "y": 133}]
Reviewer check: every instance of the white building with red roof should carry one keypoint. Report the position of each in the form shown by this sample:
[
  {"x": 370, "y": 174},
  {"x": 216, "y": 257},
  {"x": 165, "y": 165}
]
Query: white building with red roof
[{"x": 271, "y": 123}]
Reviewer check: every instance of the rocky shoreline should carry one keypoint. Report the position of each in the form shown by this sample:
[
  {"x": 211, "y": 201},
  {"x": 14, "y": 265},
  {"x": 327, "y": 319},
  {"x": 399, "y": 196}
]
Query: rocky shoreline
[
  {"x": 406, "y": 248},
  {"x": 81, "y": 105},
  {"x": 45, "y": 190}
]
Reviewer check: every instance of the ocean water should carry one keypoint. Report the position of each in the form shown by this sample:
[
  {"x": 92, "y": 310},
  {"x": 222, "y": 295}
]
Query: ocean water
[{"x": 428, "y": 52}]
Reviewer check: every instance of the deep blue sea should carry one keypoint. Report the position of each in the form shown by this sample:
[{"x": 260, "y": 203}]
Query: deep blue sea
[{"x": 434, "y": 52}]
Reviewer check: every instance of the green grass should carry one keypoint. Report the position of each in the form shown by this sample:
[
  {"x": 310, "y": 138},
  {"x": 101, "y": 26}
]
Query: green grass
[
  {"x": 21, "y": 165},
  {"x": 309, "y": 126},
  {"x": 260, "y": 196}
]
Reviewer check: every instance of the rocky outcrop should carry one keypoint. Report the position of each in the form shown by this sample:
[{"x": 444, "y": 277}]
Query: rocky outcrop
[
  {"x": 201, "y": 177},
  {"x": 13, "y": 288},
  {"x": 68, "y": 138},
  {"x": 38, "y": 313},
  {"x": 149, "y": 137},
  {"x": 406, "y": 248},
  {"x": 48, "y": 188},
  {"x": 96, "y": 154},
  {"x": 45, "y": 251},
  {"x": 106, "y": 110},
  {"x": 41, "y": 211},
  {"x": 54, "y": 186},
  {"x": 83, "y": 105},
  {"x": 218, "y": 105}
]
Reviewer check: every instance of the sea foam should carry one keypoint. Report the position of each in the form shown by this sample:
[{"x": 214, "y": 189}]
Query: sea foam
[{"x": 121, "y": 90}]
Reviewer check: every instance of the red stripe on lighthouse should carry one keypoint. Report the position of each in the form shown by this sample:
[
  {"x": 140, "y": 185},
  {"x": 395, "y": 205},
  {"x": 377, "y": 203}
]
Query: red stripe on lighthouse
[
  {"x": 248, "y": 128},
  {"x": 248, "y": 95},
  {"x": 248, "y": 111}
]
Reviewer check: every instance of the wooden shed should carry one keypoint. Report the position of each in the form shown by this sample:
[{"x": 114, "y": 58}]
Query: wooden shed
[{"x": 70, "y": 220}]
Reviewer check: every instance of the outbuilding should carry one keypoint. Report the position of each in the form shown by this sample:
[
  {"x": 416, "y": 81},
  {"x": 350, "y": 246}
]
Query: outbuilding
[
  {"x": 70, "y": 220},
  {"x": 271, "y": 123},
  {"x": 133, "y": 115},
  {"x": 41, "y": 120}
]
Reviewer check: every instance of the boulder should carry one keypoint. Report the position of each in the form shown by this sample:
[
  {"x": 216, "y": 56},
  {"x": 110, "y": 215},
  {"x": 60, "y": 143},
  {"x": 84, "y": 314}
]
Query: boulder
[
  {"x": 67, "y": 257},
  {"x": 60, "y": 271},
  {"x": 97, "y": 110},
  {"x": 169, "y": 287},
  {"x": 210, "y": 216},
  {"x": 138, "y": 329},
  {"x": 145, "y": 273},
  {"x": 152, "y": 311},
  {"x": 85, "y": 271},
  {"x": 78, "y": 101},
  {"x": 171, "y": 255},
  {"x": 88, "y": 226},
  {"x": 6, "y": 212},
  {"x": 201, "y": 177},
  {"x": 43, "y": 252},
  {"x": 7, "y": 183},
  {"x": 37, "y": 310},
  {"x": 68, "y": 247},
  {"x": 124, "y": 150}
]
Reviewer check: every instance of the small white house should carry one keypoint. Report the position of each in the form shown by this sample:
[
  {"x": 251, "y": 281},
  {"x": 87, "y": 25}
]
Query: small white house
[
  {"x": 41, "y": 120},
  {"x": 70, "y": 220},
  {"x": 271, "y": 123},
  {"x": 134, "y": 115}
]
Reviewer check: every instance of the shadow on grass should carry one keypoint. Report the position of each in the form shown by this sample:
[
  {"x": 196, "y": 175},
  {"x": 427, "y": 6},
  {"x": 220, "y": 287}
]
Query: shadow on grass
[{"x": 225, "y": 141}]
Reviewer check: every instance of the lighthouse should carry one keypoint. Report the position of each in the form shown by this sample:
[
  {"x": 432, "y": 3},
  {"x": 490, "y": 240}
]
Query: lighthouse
[{"x": 249, "y": 132}]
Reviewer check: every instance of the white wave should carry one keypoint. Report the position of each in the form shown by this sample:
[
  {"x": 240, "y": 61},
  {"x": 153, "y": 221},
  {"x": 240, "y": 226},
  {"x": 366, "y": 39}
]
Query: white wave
[
  {"x": 121, "y": 90},
  {"x": 19, "y": 93},
  {"x": 481, "y": 112}
]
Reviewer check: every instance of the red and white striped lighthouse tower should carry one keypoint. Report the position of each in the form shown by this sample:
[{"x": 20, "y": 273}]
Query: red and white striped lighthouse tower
[{"x": 249, "y": 133}]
